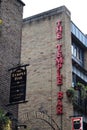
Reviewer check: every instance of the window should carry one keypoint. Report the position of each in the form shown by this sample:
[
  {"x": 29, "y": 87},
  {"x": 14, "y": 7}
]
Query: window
[{"x": 77, "y": 52}]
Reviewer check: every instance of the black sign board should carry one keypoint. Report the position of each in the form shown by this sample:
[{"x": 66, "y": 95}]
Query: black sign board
[{"x": 18, "y": 85}]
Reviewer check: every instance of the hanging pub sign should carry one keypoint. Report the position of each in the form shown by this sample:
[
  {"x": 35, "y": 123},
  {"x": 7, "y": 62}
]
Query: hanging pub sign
[
  {"x": 18, "y": 85},
  {"x": 77, "y": 123}
]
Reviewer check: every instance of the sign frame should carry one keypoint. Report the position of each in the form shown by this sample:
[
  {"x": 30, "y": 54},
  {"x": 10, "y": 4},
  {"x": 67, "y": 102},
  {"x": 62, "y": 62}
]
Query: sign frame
[
  {"x": 73, "y": 119},
  {"x": 18, "y": 85}
]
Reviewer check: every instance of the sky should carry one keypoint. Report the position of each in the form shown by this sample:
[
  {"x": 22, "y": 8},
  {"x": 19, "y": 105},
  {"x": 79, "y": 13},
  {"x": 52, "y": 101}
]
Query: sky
[{"x": 78, "y": 9}]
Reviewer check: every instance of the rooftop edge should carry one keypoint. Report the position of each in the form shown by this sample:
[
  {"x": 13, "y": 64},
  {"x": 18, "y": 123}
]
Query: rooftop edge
[
  {"x": 21, "y": 2},
  {"x": 47, "y": 14}
]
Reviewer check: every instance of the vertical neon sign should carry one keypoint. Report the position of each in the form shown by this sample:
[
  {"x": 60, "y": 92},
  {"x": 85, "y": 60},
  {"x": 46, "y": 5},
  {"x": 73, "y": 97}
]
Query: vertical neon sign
[{"x": 59, "y": 64}]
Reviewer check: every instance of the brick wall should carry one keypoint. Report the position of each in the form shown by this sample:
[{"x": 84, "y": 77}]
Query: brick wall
[
  {"x": 10, "y": 46},
  {"x": 39, "y": 50}
]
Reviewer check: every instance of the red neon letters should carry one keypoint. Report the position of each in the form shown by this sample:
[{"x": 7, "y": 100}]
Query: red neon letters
[
  {"x": 59, "y": 30},
  {"x": 59, "y": 107},
  {"x": 59, "y": 64}
]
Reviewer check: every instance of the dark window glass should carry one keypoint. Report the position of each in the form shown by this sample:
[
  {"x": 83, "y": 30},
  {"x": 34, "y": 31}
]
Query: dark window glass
[{"x": 77, "y": 52}]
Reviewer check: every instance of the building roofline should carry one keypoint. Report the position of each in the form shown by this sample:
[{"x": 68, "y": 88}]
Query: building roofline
[
  {"x": 47, "y": 14},
  {"x": 21, "y": 2}
]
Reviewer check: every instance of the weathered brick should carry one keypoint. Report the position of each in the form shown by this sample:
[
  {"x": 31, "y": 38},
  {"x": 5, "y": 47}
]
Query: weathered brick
[
  {"x": 39, "y": 50},
  {"x": 10, "y": 47}
]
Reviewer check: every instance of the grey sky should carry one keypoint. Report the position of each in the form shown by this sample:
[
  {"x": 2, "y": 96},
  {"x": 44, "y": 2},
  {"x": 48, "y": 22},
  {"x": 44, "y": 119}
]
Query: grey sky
[{"x": 78, "y": 9}]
